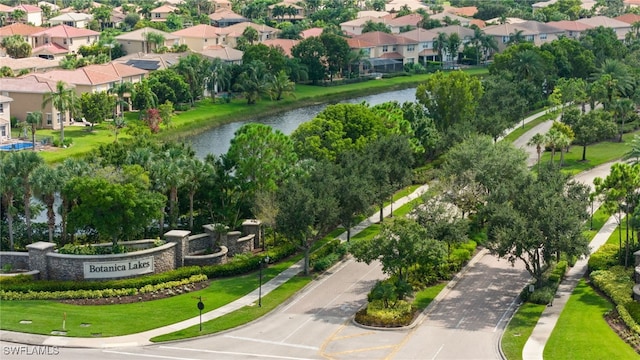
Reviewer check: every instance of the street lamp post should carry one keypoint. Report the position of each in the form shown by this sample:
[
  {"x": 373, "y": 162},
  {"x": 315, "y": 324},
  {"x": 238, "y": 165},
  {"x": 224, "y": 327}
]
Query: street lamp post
[{"x": 262, "y": 262}]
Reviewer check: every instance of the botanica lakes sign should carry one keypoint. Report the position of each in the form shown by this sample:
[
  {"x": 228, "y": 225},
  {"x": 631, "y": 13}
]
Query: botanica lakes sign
[{"x": 116, "y": 269}]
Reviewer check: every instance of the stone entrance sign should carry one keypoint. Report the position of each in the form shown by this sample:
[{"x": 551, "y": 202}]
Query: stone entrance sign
[{"x": 122, "y": 268}]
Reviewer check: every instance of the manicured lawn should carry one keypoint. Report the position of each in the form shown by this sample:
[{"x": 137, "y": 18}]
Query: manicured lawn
[
  {"x": 582, "y": 333},
  {"x": 122, "y": 319},
  {"x": 597, "y": 154},
  {"x": 519, "y": 330},
  {"x": 424, "y": 297},
  {"x": 241, "y": 316}
]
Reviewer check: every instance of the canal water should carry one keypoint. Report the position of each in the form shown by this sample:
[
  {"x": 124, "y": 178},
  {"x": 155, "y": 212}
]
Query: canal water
[{"x": 217, "y": 141}]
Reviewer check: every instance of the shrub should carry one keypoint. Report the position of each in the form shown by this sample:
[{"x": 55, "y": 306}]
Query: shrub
[
  {"x": 616, "y": 282},
  {"x": 543, "y": 295},
  {"x": 377, "y": 315},
  {"x": 604, "y": 258}
]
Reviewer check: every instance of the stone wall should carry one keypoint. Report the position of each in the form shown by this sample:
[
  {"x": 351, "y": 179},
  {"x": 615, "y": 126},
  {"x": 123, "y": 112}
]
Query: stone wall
[
  {"x": 217, "y": 258},
  {"x": 71, "y": 267},
  {"x": 200, "y": 243},
  {"x": 17, "y": 260},
  {"x": 636, "y": 289}
]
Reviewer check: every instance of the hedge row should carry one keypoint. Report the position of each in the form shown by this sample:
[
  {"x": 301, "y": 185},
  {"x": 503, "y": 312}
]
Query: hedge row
[
  {"x": 544, "y": 293},
  {"x": 96, "y": 294},
  {"x": 617, "y": 283}
]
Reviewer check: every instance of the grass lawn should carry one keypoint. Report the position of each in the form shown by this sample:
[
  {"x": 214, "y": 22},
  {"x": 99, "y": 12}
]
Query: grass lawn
[
  {"x": 519, "y": 329},
  {"x": 122, "y": 319},
  {"x": 597, "y": 154},
  {"x": 582, "y": 333},
  {"x": 241, "y": 316}
]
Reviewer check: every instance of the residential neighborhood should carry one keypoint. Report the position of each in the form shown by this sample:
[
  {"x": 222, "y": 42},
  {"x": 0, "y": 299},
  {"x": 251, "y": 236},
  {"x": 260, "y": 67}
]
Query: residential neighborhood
[{"x": 296, "y": 178}]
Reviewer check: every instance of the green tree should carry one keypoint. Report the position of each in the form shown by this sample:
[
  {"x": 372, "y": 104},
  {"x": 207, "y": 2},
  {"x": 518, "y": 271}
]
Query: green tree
[
  {"x": 252, "y": 82},
  {"x": 542, "y": 218},
  {"x": 24, "y": 163},
  {"x": 116, "y": 210},
  {"x": 401, "y": 244},
  {"x": 539, "y": 141},
  {"x": 34, "y": 119},
  {"x": 336, "y": 52},
  {"x": 169, "y": 85},
  {"x": 311, "y": 52},
  {"x": 124, "y": 93},
  {"x": 195, "y": 172},
  {"x": 280, "y": 86},
  {"x": 589, "y": 128},
  {"x": 354, "y": 179},
  {"x": 155, "y": 38},
  {"x": 143, "y": 98},
  {"x": 96, "y": 107},
  {"x": 371, "y": 26},
  {"x": 47, "y": 182},
  {"x": 442, "y": 222},
  {"x": 16, "y": 47},
  {"x": 307, "y": 206},
  {"x": 62, "y": 99},
  {"x": 194, "y": 69},
  {"x": 10, "y": 188},
  {"x": 451, "y": 99}
]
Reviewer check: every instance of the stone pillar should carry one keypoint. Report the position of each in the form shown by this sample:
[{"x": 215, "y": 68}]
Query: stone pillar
[
  {"x": 38, "y": 257},
  {"x": 181, "y": 238},
  {"x": 253, "y": 226},
  {"x": 636, "y": 255}
]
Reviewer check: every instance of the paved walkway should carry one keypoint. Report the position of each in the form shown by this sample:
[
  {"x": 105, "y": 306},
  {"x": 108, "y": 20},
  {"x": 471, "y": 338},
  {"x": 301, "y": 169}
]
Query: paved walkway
[{"x": 142, "y": 338}]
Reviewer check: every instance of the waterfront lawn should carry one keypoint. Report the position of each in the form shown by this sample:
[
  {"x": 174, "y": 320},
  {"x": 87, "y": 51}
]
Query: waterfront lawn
[
  {"x": 123, "y": 319},
  {"x": 583, "y": 333}
]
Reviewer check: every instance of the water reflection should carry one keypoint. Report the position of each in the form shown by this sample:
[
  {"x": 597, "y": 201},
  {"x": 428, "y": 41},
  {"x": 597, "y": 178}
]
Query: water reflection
[{"x": 216, "y": 141}]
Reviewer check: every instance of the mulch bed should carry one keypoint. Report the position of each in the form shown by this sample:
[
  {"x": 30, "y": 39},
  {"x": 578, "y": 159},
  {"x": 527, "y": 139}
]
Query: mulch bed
[
  {"x": 161, "y": 294},
  {"x": 617, "y": 325}
]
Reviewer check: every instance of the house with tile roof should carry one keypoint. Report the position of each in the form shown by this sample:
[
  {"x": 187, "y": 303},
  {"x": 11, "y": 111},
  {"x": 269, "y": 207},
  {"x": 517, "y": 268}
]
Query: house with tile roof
[
  {"x": 465, "y": 11},
  {"x": 137, "y": 40},
  {"x": 75, "y": 19},
  {"x": 426, "y": 40},
  {"x": 24, "y": 30},
  {"x": 413, "y": 5},
  {"x": 225, "y": 17},
  {"x": 447, "y": 18},
  {"x": 5, "y": 118},
  {"x": 151, "y": 61},
  {"x": 291, "y": 12},
  {"x": 621, "y": 28},
  {"x": 532, "y": 31},
  {"x": 200, "y": 36},
  {"x": 161, "y": 13},
  {"x": 387, "y": 52},
  {"x": 225, "y": 53},
  {"x": 58, "y": 41},
  {"x": 355, "y": 26},
  {"x": 221, "y": 4},
  {"x": 629, "y": 18},
  {"x": 400, "y": 23},
  {"x": 233, "y": 32},
  {"x": 572, "y": 29},
  {"x": 372, "y": 13},
  {"x": 97, "y": 77},
  {"x": 284, "y": 44},
  {"x": 28, "y": 93},
  {"x": 33, "y": 14},
  {"x": 316, "y": 31},
  {"x": 32, "y": 64}
]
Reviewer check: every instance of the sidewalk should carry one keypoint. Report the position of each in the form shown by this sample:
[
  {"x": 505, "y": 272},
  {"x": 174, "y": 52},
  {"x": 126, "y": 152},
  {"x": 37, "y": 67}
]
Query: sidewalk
[
  {"x": 534, "y": 347},
  {"x": 141, "y": 339}
]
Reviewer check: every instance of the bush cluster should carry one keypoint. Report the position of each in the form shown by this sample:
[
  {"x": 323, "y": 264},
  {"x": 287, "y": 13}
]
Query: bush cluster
[
  {"x": 327, "y": 255},
  {"x": 377, "y": 315},
  {"x": 605, "y": 258},
  {"x": 617, "y": 283},
  {"x": 96, "y": 294},
  {"x": 545, "y": 291}
]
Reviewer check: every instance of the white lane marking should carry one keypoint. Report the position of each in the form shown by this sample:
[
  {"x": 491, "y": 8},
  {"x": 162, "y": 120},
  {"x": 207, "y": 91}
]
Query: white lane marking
[
  {"x": 272, "y": 342},
  {"x": 505, "y": 314},
  {"x": 460, "y": 322},
  {"x": 234, "y": 353},
  {"x": 437, "y": 352}
]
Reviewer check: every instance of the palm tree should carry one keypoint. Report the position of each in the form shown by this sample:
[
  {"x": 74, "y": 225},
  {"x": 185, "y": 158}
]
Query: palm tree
[
  {"x": 280, "y": 85},
  {"x": 155, "y": 38},
  {"x": 46, "y": 182},
  {"x": 453, "y": 46},
  {"x": 34, "y": 119},
  {"x": 252, "y": 83},
  {"x": 563, "y": 143},
  {"x": 440, "y": 44},
  {"x": 251, "y": 34},
  {"x": 616, "y": 77},
  {"x": 195, "y": 171},
  {"x": 63, "y": 100},
  {"x": 538, "y": 140},
  {"x": 553, "y": 139},
  {"x": 121, "y": 90},
  {"x": 70, "y": 169},
  {"x": 9, "y": 189},
  {"x": 634, "y": 153},
  {"x": 24, "y": 162},
  {"x": 622, "y": 108},
  {"x": 219, "y": 78},
  {"x": 516, "y": 37}
]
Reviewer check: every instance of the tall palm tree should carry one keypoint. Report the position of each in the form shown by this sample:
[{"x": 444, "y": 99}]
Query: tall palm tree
[
  {"x": 195, "y": 171},
  {"x": 453, "y": 47},
  {"x": 252, "y": 83},
  {"x": 622, "y": 108},
  {"x": 24, "y": 163},
  {"x": 440, "y": 44},
  {"x": 154, "y": 38},
  {"x": 34, "y": 119},
  {"x": 634, "y": 153},
  {"x": 63, "y": 99},
  {"x": 219, "y": 78},
  {"x": 46, "y": 182},
  {"x": 516, "y": 37},
  {"x": 538, "y": 140},
  {"x": 9, "y": 189},
  {"x": 70, "y": 169},
  {"x": 616, "y": 77}
]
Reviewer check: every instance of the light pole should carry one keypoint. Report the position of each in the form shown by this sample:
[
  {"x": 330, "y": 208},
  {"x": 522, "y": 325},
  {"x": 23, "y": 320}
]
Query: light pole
[{"x": 262, "y": 262}]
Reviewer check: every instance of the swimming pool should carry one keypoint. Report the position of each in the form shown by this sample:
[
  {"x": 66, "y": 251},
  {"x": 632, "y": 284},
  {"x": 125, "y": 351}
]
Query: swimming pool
[{"x": 16, "y": 146}]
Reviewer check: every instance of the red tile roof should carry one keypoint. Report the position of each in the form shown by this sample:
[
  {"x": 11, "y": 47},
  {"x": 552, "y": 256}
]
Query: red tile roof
[
  {"x": 285, "y": 44},
  {"x": 65, "y": 31},
  {"x": 30, "y": 9},
  {"x": 381, "y": 38},
  {"x": 202, "y": 31},
  {"x": 28, "y": 84},
  {"x": 629, "y": 18},
  {"x": 51, "y": 48},
  {"x": 19, "y": 29}
]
